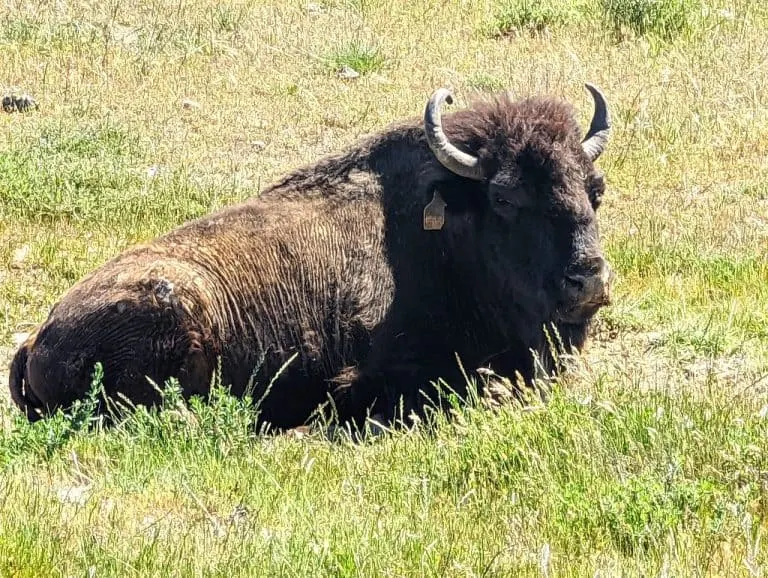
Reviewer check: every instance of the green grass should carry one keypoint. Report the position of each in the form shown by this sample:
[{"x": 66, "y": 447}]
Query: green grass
[
  {"x": 92, "y": 174},
  {"x": 650, "y": 458},
  {"x": 514, "y": 16},
  {"x": 666, "y": 19},
  {"x": 360, "y": 57},
  {"x": 603, "y": 480}
]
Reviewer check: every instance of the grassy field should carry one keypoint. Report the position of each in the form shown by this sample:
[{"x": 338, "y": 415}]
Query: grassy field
[{"x": 651, "y": 459}]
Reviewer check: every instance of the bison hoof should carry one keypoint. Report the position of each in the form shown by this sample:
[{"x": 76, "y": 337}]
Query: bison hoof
[{"x": 15, "y": 102}]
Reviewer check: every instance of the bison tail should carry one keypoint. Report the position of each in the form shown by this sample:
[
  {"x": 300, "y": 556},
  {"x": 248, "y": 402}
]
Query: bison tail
[{"x": 21, "y": 394}]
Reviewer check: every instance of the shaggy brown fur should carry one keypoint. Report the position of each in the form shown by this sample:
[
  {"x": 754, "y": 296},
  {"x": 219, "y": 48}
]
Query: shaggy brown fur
[{"x": 332, "y": 264}]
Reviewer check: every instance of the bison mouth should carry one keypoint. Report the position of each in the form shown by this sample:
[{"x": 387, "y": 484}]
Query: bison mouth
[
  {"x": 579, "y": 314},
  {"x": 584, "y": 289}
]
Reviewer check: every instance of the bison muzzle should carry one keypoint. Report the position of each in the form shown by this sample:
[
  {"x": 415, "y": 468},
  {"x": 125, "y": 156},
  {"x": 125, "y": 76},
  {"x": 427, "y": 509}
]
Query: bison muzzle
[{"x": 467, "y": 236}]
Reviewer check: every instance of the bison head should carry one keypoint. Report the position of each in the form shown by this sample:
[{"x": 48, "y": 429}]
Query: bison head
[{"x": 535, "y": 193}]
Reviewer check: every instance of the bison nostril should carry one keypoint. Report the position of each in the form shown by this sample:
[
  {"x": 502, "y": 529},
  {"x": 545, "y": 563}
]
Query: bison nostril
[{"x": 575, "y": 283}]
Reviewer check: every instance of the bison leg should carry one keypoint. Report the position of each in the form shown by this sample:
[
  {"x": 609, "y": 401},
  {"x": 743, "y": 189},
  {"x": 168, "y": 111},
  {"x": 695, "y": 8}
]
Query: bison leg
[
  {"x": 392, "y": 394},
  {"x": 528, "y": 371},
  {"x": 516, "y": 364},
  {"x": 394, "y": 385},
  {"x": 140, "y": 344}
]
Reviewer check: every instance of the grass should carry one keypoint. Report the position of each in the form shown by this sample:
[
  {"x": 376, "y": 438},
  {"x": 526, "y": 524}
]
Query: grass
[
  {"x": 485, "y": 83},
  {"x": 649, "y": 459},
  {"x": 602, "y": 481},
  {"x": 360, "y": 57},
  {"x": 664, "y": 18},
  {"x": 514, "y": 16}
]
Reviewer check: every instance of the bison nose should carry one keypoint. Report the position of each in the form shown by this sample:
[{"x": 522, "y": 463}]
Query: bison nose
[{"x": 590, "y": 282}]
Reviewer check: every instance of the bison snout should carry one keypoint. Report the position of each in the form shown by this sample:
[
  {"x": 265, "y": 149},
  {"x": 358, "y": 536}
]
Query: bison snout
[{"x": 588, "y": 286}]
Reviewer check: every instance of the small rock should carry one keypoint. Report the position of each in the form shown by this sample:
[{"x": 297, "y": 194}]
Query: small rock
[
  {"x": 347, "y": 72},
  {"x": 380, "y": 79},
  {"x": 19, "y": 338},
  {"x": 124, "y": 34},
  {"x": 153, "y": 171},
  {"x": 19, "y": 257},
  {"x": 314, "y": 8},
  {"x": 258, "y": 144},
  {"x": 74, "y": 494},
  {"x": 18, "y": 103},
  {"x": 725, "y": 13},
  {"x": 189, "y": 104}
]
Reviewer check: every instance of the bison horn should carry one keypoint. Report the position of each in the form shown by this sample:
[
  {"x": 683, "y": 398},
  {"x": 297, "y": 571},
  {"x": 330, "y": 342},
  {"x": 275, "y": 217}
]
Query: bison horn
[
  {"x": 449, "y": 155},
  {"x": 600, "y": 128}
]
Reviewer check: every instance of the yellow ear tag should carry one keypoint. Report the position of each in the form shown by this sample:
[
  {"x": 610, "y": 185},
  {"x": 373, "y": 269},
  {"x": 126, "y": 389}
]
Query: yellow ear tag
[{"x": 434, "y": 213}]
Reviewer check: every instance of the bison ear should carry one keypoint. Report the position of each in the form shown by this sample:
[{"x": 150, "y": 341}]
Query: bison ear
[
  {"x": 459, "y": 195},
  {"x": 596, "y": 189}
]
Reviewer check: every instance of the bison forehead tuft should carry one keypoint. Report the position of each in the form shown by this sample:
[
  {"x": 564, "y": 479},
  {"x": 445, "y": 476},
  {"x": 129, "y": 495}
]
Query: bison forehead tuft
[
  {"x": 503, "y": 118},
  {"x": 539, "y": 132}
]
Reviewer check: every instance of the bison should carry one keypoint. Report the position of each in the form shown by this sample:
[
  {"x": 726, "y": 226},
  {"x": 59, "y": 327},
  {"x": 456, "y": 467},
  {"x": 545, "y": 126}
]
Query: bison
[{"x": 371, "y": 271}]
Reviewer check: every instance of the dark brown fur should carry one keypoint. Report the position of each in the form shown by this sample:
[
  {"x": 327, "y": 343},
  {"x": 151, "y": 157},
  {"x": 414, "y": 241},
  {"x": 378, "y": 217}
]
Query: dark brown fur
[{"x": 332, "y": 264}]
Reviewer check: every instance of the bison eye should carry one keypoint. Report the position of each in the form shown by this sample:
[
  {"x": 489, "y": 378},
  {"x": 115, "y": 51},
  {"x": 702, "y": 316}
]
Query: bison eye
[{"x": 502, "y": 201}]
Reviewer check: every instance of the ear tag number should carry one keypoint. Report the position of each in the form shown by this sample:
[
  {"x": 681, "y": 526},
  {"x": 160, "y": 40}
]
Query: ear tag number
[{"x": 434, "y": 213}]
